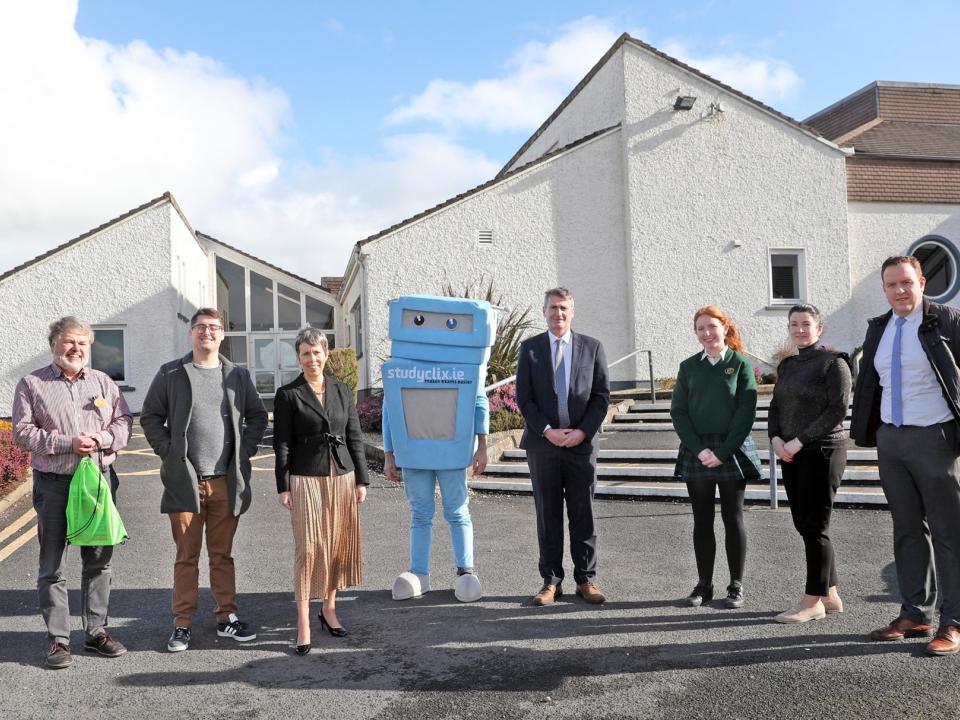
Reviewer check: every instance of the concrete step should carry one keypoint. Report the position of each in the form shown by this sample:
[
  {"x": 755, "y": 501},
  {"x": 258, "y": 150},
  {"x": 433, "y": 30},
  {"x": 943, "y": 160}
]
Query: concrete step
[
  {"x": 661, "y": 471},
  {"x": 654, "y": 454},
  {"x": 656, "y": 425},
  {"x": 625, "y": 488},
  {"x": 657, "y": 416}
]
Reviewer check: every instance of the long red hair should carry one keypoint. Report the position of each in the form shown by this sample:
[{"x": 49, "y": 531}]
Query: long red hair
[{"x": 731, "y": 333}]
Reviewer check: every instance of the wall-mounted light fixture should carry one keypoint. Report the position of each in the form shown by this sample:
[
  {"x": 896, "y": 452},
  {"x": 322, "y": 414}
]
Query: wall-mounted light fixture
[{"x": 684, "y": 102}]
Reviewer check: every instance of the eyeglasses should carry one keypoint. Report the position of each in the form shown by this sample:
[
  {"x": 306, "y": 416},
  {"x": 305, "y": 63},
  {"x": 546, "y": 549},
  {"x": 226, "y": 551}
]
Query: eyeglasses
[{"x": 201, "y": 328}]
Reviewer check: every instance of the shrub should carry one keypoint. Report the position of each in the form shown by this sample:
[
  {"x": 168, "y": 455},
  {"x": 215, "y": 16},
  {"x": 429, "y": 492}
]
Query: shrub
[
  {"x": 757, "y": 374},
  {"x": 370, "y": 410},
  {"x": 342, "y": 365},
  {"x": 512, "y": 329},
  {"x": 504, "y": 419},
  {"x": 504, "y": 397},
  {"x": 14, "y": 460}
]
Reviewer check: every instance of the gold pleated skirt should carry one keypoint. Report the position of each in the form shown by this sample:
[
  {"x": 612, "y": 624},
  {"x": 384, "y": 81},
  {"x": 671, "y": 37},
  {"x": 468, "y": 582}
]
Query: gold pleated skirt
[{"x": 326, "y": 535}]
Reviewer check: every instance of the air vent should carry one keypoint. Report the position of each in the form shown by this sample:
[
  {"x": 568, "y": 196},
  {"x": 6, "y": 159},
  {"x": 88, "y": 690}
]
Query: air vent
[{"x": 485, "y": 237}]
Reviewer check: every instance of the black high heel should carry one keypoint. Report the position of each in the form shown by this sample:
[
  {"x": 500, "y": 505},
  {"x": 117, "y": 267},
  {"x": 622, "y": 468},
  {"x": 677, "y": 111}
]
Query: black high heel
[
  {"x": 335, "y": 631},
  {"x": 303, "y": 649}
]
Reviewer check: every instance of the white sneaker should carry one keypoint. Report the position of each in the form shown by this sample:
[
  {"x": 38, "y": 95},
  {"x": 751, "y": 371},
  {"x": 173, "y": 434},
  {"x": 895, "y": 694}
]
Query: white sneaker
[
  {"x": 467, "y": 588},
  {"x": 410, "y": 585},
  {"x": 801, "y": 615}
]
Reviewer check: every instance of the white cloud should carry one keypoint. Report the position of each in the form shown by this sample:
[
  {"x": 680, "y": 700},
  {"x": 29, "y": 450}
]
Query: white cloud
[
  {"x": 91, "y": 130},
  {"x": 535, "y": 81},
  {"x": 768, "y": 79}
]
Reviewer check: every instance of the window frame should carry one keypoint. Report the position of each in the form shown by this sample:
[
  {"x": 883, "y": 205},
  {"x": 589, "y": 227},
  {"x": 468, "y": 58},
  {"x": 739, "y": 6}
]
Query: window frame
[
  {"x": 125, "y": 382},
  {"x": 954, "y": 256},
  {"x": 801, "y": 288}
]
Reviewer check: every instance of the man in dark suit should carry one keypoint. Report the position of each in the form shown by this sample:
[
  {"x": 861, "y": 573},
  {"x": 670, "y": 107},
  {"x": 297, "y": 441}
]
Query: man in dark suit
[
  {"x": 563, "y": 393},
  {"x": 907, "y": 404}
]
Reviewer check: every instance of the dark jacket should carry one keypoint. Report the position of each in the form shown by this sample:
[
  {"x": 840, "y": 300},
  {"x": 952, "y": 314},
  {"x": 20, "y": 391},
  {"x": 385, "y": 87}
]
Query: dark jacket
[
  {"x": 306, "y": 433},
  {"x": 939, "y": 336},
  {"x": 587, "y": 400},
  {"x": 165, "y": 416}
]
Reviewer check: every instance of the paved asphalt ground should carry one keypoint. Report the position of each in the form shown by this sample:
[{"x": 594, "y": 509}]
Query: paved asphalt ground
[{"x": 641, "y": 655}]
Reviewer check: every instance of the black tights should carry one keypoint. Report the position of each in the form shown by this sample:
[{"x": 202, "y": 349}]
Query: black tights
[{"x": 702, "y": 493}]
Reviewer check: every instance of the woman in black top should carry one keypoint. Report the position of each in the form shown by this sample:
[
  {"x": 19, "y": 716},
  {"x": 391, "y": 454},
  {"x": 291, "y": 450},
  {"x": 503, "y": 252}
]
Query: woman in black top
[{"x": 806, "y": 432}]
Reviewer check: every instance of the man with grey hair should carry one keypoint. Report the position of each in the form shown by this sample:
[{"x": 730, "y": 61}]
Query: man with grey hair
[
  {"x": 563, "y": 393},
  {"x": 62, "y": 413},
  {"x": 203, "y": 417}
]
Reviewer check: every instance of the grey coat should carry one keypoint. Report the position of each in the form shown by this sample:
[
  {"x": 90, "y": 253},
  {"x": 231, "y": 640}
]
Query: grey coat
[{"x": 166, "y": 415}]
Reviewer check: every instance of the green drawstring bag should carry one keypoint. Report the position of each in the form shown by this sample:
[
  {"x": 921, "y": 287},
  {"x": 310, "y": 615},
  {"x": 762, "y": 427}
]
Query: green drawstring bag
[{"x": 92, "y": 518}]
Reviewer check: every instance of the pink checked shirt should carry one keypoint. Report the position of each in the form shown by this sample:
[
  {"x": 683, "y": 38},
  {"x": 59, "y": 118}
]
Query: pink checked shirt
[{"x": 49, "y": 410}]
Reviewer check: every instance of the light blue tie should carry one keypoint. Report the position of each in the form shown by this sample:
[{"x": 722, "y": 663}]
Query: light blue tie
[
  {"x": 896, "y": 376},
  {"x": 560, "y": 384}
]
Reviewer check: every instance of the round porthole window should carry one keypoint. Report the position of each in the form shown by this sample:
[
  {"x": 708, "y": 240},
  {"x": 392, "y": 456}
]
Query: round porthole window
[{"x": 940, "y": 262}]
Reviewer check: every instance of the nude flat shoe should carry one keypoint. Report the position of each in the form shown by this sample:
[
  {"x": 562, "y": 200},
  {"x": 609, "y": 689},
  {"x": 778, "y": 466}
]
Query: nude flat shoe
[
  {"x": 801, "y": 615},
  {"x": 832, "y": 606}
]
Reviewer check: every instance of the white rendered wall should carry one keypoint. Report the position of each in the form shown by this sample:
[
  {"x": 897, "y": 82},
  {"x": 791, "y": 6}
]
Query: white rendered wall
[
  {"x": 560, "y": 223},
  {"x": 696, "y": 184},
  {"x": 190, "y": 270},
  {"x": 879, "y": 230},
  {"x": 120, "y": 276},
  {"x": 598, "y": 105}
]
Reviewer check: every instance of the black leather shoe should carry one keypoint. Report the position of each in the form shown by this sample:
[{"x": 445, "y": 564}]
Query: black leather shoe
[
  {"x": 734, "y": 598},
  {"x": 701, "y": 594},
  {"x": 335, "y": 631},
  {"x": 303, "y": 649}
]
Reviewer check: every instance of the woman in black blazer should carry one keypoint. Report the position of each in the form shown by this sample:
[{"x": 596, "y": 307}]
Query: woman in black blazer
[{"x": 322, "y": 479}]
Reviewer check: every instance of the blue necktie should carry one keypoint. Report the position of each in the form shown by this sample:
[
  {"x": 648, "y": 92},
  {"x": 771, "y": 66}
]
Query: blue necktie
[
  {"x": 560, "y": 384},
  {"x": 896, "y": 376}
]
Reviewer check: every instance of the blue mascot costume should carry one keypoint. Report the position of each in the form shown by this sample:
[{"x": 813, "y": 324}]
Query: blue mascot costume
[{"x": 435, "y": 423}]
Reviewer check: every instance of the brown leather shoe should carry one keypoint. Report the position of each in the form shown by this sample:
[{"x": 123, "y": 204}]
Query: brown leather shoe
[
  {"x": 590, "y": 593},
  {"x": 902, "y": 628},
  {"x": 947, "y": 641},
  {"x": 548, "y": 593}
]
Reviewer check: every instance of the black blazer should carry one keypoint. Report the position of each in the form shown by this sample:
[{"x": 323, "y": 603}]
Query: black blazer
[
  {"x": 306, "y": 433},
  {"x": 588, "y": 398}
]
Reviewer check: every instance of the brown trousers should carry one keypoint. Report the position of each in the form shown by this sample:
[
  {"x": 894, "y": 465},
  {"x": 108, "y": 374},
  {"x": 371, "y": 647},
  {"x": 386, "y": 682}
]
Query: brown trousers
[{"x": 187, "y": 529}]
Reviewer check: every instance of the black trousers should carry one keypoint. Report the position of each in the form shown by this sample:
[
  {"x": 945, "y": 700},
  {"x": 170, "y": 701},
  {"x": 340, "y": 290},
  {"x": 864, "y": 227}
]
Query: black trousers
[
  {"x": 559, "y": 475},
  {"x": 702, "y": 492},
  {"x": 811, "y": 482}
]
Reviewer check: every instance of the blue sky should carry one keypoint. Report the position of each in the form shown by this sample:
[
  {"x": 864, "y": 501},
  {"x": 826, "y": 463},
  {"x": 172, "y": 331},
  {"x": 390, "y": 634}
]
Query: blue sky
[{"x": 294, "y": 129}]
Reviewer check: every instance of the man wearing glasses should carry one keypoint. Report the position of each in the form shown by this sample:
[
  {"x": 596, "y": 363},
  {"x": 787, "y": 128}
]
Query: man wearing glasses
[{"x": 203, "y": 418}]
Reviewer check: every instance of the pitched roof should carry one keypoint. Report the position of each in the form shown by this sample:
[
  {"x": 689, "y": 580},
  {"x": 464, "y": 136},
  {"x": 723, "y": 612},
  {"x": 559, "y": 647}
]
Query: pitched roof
[
  {"x": 166, "y": 197},
  {"x": 210, "y": 238},
  {"x": 625, "y": 38},
  {"x": 890, "y": 138},
  {"x": 495, "y": 180}
]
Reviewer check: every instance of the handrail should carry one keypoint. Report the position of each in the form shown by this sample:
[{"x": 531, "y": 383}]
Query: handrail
[
  {"x": 653, "y": 392},
  {"x": 769, "y": 364}
]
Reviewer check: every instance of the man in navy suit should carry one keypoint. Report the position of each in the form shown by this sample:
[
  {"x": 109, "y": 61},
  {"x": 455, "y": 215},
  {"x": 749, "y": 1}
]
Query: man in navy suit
[{"x": 563, "y": 393}]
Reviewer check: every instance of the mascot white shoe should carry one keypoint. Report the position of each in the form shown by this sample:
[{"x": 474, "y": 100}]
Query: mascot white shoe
[
  {"x": 410, "y": 585},
  {"x": 467, "y": 588}
]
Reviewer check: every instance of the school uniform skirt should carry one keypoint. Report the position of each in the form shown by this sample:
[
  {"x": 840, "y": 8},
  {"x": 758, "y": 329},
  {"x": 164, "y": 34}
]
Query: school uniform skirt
[
  {"x": 741, "y": 466},
  {"x": 326, "y": 534}
]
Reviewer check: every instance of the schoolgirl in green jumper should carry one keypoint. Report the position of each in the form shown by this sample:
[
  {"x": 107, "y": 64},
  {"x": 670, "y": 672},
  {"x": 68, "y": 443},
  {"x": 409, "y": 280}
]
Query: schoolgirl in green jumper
[{"x": 713, "y": 408}]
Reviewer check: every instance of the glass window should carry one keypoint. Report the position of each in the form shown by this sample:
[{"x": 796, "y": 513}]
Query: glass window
[
  {"x": 288, "y": 354},
  {"x": 265, "y": 354},
  {"x": 234, "y": 349},
  {"x": 265, "y": 382},
  {"x": 939, "y": 268},
  {"x": 231, "y": 295},
  {"x": 331, "y": 341},
  {"x": 288, "y": 308},
  {"x": 261, "y": 302},
  {"x": 785, "y": 277},
  {"x": 107, "y": 353},
  {"x": 319, "y": 314}
]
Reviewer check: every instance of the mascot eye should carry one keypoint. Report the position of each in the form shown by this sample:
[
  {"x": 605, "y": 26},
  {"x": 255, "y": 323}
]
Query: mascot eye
[
  {"x": 451, "y": 323},
  {"x": 418, "y": 320}
]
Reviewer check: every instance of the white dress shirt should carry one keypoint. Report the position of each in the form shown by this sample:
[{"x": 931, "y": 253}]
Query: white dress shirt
[
  {"x": 714, "y": 360},
  {"x": 923, "y": 401}
]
